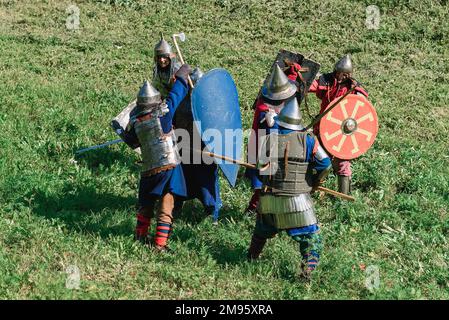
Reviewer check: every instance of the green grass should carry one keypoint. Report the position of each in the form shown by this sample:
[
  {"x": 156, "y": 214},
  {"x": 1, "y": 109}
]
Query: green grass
[{"x": 60, "y": 88}]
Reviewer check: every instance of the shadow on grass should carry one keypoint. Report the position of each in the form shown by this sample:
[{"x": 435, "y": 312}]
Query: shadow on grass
[
  {"x": 223, "y": 254},
  {"x": 193, "y": 213},
  {"x": 105, "y": 158},
  {"x": 85, "y": 210}
]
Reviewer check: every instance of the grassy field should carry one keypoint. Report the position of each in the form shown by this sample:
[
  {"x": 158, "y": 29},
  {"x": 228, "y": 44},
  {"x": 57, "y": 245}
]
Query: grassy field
[{"x": 59, "y": 89}]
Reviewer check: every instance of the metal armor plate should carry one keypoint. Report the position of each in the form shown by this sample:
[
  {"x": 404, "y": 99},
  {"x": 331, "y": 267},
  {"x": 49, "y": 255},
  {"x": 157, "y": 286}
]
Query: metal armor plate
[
  {"x": 282, "y": 204},
  {"x": 350, "y": 128},
  {"x": 158, "y": 149},
  {"x": 287, "y": 212},
  {"x": 120, "y": 122},
  {"x": 288, "y": 174}
]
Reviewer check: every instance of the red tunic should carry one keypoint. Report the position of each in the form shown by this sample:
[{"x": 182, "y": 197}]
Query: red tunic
[
  {"x": 327, "y": 89},
  {"x": 261, "y": 107},
  {"x": 293, "y": 71}
]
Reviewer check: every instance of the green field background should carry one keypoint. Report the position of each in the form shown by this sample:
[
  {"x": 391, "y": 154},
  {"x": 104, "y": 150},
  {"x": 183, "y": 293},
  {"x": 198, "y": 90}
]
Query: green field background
[{"x": 59, "y": 89}]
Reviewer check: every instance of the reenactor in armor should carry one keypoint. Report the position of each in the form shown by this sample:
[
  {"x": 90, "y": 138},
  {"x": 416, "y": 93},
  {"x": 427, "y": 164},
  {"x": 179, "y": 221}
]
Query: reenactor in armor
[
  {"x": 298, "y": 164},
  {"x": 150, "y": 128},
  {"x": 201, "y": 178},
  {"x": 276, "y": 91},
  {"x": 328, "y": 87},
  {"x": 165, "y": 67}
]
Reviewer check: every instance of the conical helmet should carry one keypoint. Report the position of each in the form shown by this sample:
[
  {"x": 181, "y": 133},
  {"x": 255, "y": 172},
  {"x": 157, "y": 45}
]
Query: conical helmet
[
  {"x": 148, "y": 95},
  {"x": 162, "y": 48},
  {"x": 344, "y": 64},
  {"x": 290, "y": 116},
  {"x": 278, "y": 86}
]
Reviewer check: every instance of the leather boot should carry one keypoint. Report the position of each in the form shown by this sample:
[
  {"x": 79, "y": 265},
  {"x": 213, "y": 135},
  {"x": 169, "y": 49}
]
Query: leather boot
[
  {"x": 253, "y": 203},
  {"x": 344, "y": 184},
  {"x": 256, "y": 247}
]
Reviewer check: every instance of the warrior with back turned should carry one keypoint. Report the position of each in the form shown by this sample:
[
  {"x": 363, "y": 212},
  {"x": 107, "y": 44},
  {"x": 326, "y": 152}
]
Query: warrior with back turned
[
  {"x": 279, "y": 88},
  {"x": 201, "y": 178},
  {"x": 297, "y": 165}
]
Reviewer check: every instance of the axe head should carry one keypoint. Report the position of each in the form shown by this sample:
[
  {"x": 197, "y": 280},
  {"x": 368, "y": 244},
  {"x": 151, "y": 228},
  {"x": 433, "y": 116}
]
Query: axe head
[{"x": 181, "y": 36}]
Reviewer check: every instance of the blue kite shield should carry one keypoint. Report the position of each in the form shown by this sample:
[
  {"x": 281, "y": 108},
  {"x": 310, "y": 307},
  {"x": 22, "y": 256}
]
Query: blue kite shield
[{"x": 217, "y": 118}]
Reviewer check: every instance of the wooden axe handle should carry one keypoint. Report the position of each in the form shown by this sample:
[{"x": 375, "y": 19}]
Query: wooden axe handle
[
  {"x": 182, "y": 59},
  {"x": 251, "y": 166},
  {"x": 336, "y": 193}
]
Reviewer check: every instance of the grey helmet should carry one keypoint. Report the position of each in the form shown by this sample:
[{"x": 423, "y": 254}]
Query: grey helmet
[
  {"x": 290, "y": 116},
  {"x": 344, "y": 64},
  {"x": 147, "y": 98},
  {"x": 278, "y": 86},
  {"x": 162, "y": 48},
  {"x": 196, "y": 75},
  {"x": 148, "y": 94}
]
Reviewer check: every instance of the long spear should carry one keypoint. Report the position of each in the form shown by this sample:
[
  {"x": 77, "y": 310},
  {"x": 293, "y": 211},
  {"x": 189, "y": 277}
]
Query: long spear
[
  {"x": 251, "y": 166},
  {"x": 99, "y": 146}
]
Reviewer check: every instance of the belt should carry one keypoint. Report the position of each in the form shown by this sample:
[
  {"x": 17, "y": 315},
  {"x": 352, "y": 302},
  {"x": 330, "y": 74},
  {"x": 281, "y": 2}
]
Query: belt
[
  {"x": 271, "y": 190},
  {"x": 157, "y": 170}
]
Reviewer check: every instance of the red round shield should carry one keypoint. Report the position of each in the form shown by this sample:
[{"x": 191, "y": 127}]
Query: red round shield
[{"x": 350, "y": 128}]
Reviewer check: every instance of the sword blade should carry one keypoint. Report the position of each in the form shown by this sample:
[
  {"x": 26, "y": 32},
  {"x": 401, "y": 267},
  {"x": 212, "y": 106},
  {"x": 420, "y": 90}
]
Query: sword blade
[{"x": 99, "y": 146}]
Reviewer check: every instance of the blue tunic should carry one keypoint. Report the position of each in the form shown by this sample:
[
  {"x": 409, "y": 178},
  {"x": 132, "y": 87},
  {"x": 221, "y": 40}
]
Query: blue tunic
[
  {"x": 201, "y": 178},
  {"x": 170, "y": 180},
  {"x": 202, "y": 184}
]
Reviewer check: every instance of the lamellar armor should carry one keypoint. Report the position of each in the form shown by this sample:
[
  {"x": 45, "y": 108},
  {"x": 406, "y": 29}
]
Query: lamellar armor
[
  {"x": 159, "y": 149},
  {"x": 285, "y": 201}
]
